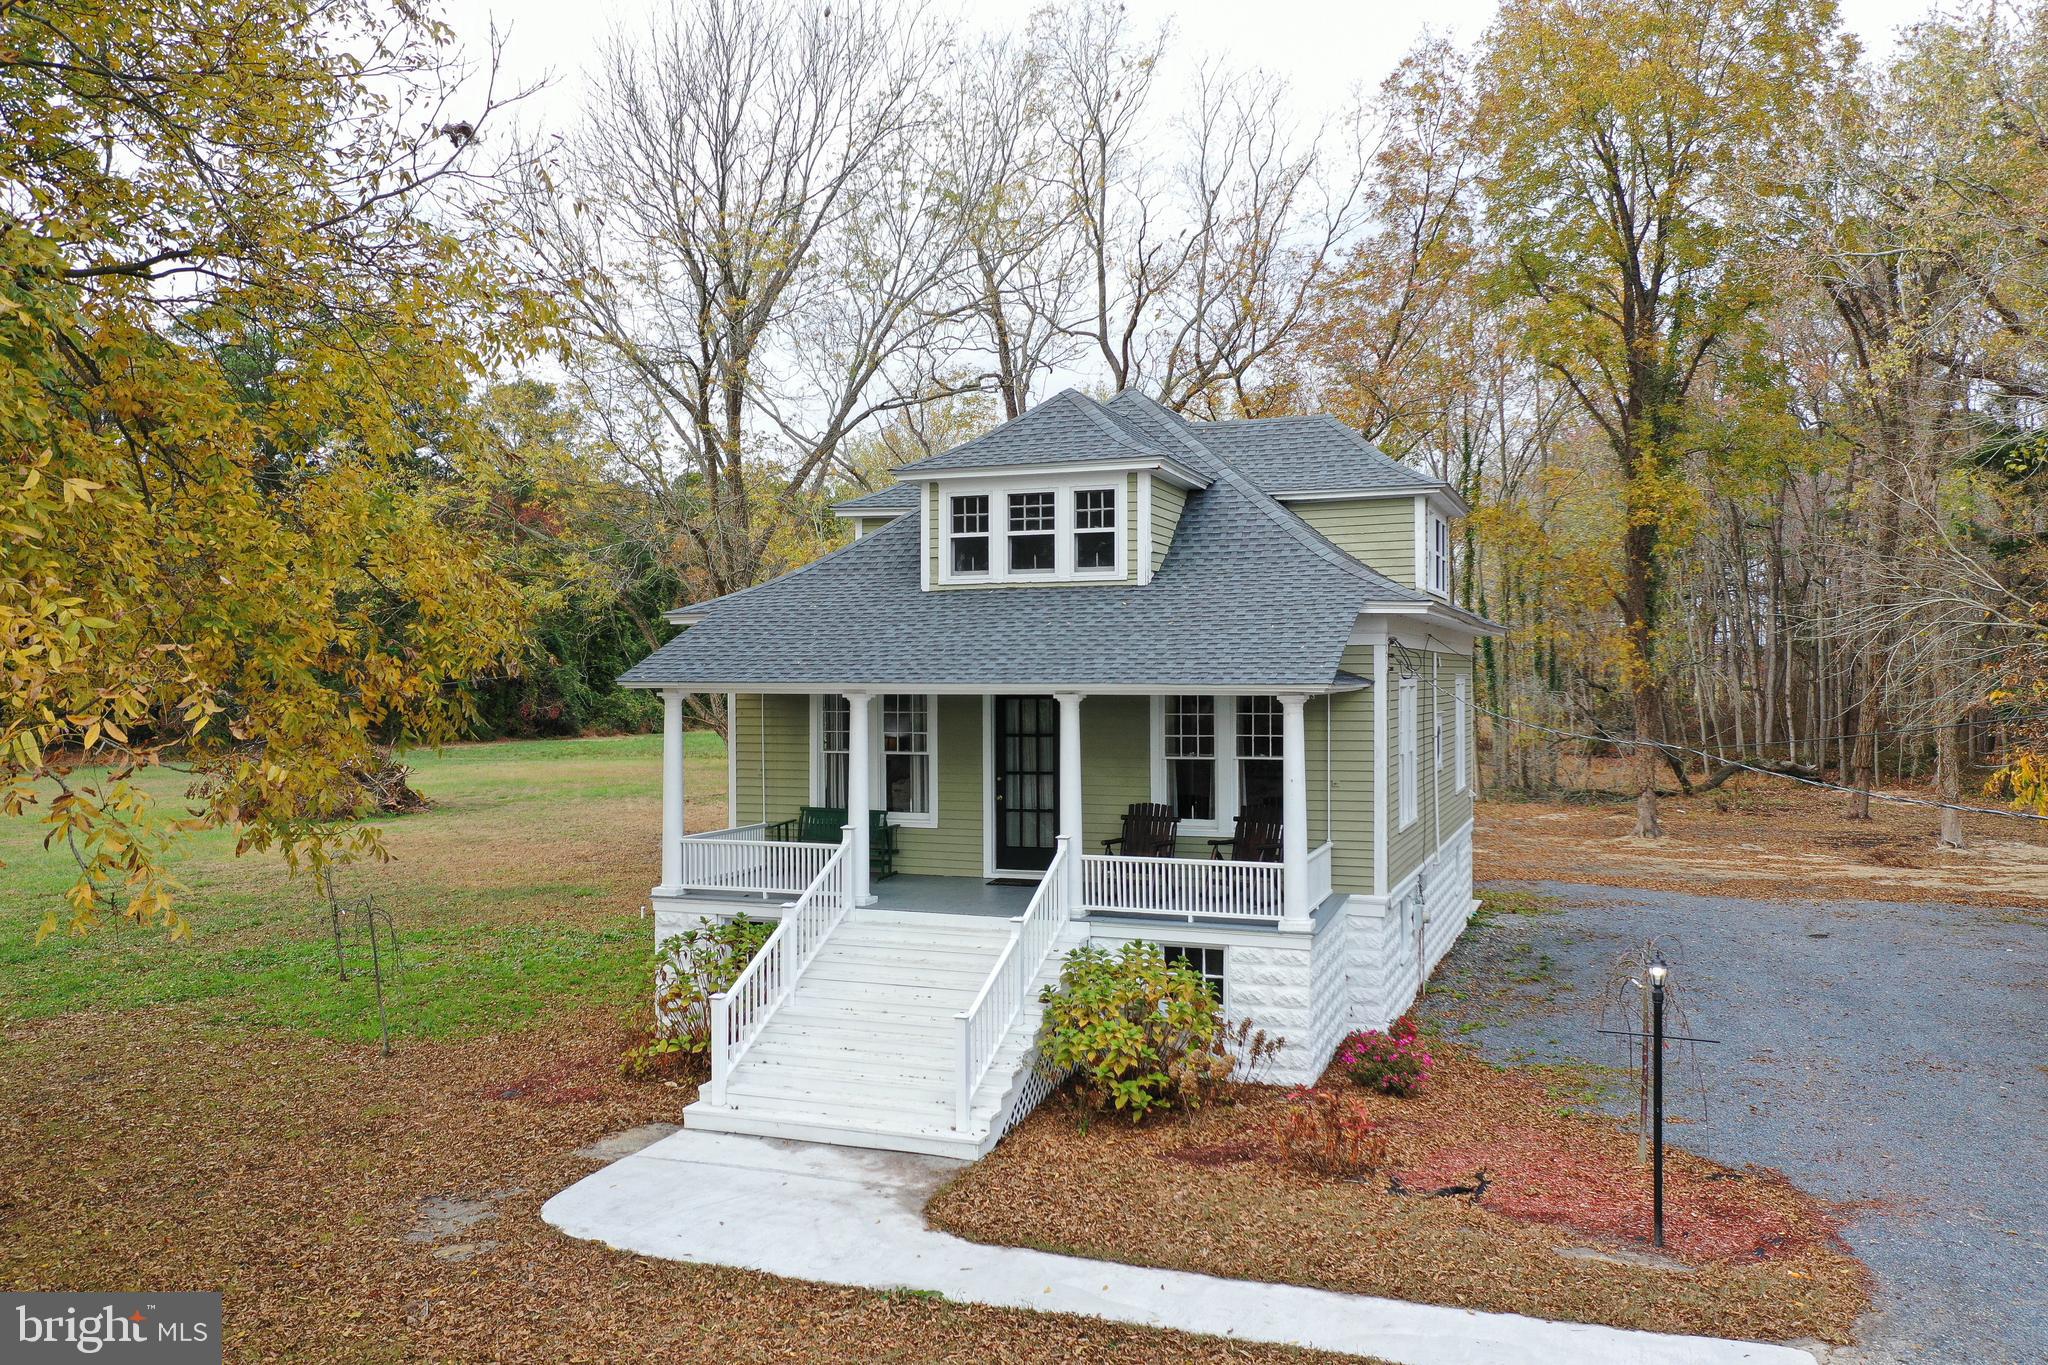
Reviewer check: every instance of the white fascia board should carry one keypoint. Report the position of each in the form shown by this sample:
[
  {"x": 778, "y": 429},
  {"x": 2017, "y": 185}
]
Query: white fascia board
[
  {"x": 682, "y": 616},
  {"x": 1163, "y": 467},
  {"x": 1086, "y": 689},
  {"x": 1442, "y": 494},
  {"x": 845, "y": 513}
]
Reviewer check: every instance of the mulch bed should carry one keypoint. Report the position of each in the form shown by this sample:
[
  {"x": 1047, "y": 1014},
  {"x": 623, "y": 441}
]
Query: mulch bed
[
  {"x": 1746, "y": 1254},
  {"x": 356, "y": 1208}
]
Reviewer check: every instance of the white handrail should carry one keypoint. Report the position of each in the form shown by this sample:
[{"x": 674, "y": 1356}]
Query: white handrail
[
  {"x": 1003, "y": 996},
  {"x": 729, "y": 860},
  {"x": 742, "y": 1010},
  {"x": 1319, "y": 862},
  {"x": 1182, "y": 886}
]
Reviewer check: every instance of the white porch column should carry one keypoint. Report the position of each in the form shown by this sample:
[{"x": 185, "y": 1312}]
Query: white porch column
[
  {"x": 671, "y": 792},
  {"x": 1070, "y": 791},
  {"x": 1295, "y": 908},
  {"x": 859, "y": 763}
]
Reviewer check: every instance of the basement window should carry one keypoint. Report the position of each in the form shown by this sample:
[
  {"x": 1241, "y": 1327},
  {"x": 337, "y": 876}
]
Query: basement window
[{"x": 1207, "y": 963}]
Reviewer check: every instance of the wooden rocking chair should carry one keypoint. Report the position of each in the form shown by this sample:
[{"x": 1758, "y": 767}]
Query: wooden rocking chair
[
  {"x": 1148, "y": 832},
  {"x": 1256, "y": 838}
]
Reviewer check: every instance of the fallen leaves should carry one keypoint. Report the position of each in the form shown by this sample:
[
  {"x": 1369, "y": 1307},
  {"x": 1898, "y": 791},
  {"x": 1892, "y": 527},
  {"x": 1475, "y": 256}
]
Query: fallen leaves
[{"x": 1206, "y": 1194}]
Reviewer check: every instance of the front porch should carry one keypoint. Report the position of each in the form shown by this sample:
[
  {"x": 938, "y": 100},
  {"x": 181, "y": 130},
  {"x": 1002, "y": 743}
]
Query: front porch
[
  {"x": 728, "y": 874},
  {"x": 968, "y": 798},
  {"x": 740, "y": 870}
]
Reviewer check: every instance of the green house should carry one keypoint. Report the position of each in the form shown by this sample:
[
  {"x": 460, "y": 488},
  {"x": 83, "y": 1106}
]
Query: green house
[{"x": 1104, "y": 673}]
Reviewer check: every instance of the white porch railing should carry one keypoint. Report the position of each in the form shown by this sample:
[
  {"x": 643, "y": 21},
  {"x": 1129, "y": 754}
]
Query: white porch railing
[
  {"x": 1213, "y": 888},
  {"x": 1318, "y": 876},
  {"x": 985, "y": 1023},
  {"x": 740, "y": 1012},
  {"x": 740, "y": 860}
]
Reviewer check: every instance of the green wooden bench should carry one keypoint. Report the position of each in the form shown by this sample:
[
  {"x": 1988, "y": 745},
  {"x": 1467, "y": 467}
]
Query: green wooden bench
[{"x": 826, "y": 824}]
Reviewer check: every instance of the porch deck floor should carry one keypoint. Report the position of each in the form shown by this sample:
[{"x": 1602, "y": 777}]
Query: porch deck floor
[{"x": 950, "y": 895}]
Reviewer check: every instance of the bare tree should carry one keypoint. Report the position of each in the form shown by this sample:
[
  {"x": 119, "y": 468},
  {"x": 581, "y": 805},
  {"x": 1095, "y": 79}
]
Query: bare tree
[{"x": 745, "y": 242}]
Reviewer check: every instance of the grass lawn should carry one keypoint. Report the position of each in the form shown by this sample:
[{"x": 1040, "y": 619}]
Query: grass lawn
[
  {"x": 212, "y": 1114},
  {"x": 519, "y": 891}
]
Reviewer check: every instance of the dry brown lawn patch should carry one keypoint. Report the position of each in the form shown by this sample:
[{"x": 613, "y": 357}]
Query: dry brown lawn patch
[
  {"x": 1765, "y": 840},
  {"x": 139, "y": 1151},
  {"x": 1757, "y": 1259}
]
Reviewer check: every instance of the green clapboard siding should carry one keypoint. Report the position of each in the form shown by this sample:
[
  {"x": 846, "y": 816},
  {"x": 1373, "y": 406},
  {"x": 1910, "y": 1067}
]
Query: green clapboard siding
[
  {"x": 1116, "y": 764},
  {"x": 953, "y": 849},
  {"x": 771, "y": 749},
  {"x": 1168, "y": 501},
  {"x": 1441, "y": 807},
  {"x": 1351, "y": 779},
  {"x": 1378, "y": 532},
  {"x": 867, "y": 526}
]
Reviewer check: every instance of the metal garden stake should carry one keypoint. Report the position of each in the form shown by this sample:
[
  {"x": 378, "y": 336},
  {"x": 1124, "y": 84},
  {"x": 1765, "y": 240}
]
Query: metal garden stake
[{"x": 1658, "y": 971}]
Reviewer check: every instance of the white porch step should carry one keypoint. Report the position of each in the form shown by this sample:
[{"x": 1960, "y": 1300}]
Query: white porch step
[{"x": 865, "y": 1052}]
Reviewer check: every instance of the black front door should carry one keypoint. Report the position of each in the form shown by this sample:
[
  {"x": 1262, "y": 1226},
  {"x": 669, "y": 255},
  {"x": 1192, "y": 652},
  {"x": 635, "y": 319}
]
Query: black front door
[{"x": 1027, "y": 810}]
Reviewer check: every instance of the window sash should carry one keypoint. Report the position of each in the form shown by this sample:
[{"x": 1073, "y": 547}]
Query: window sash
[
  {"x": 1459, "y": 696},
  {"x": 1409, "y": 810},
  {"x": 835, "y": 731},
  {"x": 967, "y": 533}
]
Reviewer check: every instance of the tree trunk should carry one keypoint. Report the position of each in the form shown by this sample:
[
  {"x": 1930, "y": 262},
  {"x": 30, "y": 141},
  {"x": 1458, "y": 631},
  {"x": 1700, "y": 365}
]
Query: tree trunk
[
  {"x": 1647, "y": 757},
  {"x": 1948, "y": 784}
]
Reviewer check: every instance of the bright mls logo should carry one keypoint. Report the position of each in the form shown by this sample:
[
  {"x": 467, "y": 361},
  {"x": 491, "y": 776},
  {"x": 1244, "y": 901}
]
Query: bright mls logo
[{"x": 165, "y": 1329}]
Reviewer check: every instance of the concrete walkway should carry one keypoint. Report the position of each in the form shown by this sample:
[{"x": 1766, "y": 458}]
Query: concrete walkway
[{"x": 843, "y": 1216}]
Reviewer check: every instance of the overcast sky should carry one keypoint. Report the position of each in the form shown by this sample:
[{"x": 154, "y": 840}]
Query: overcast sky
[{"x": 1322, "y": 47}]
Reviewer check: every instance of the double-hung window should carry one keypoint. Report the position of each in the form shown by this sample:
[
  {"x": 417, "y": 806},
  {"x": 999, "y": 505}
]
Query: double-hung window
[
  {"x": 903, "y": 777},
  {"x": 1440, "y": 556},
  {"x": 1459, "y": 698},
  {"x": 1410, "y": 810},
  {"x": 1031, "y": 535},
  {"x": 835, "y": 727},
  {"x": 906, "y": 755},
  {"x": 1191, "y": 757},
  {"x": 968, "y": 533},
  {"x": 1260, "y": 772},
  {"x": 1095, "y": 529}
]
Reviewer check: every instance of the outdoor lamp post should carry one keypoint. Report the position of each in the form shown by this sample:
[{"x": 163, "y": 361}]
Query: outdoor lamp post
[{"x": 1658, "y": 971}]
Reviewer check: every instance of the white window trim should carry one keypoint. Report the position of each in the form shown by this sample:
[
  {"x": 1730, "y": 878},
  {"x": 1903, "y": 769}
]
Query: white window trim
[
  {"x": 1460, "y": 696},
  {"x": 1063, "y": 490},
  {"x": 1407, "y": 778},
  {"x": 1439, "y": 548},
  {"x": 878, "y": 766},
  {"x": 1228, "y": 801}
]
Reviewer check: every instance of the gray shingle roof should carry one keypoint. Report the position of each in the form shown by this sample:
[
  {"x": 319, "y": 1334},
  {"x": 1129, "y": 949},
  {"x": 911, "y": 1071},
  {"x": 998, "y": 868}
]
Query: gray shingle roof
[
  {"x": 1234, "y": 605},
  {"x": 1308, "y": 455},
  {"x": 1250, "y": 596},
  {"x": 897, "y": 497},
  {"x": 1067, "y": 428}
]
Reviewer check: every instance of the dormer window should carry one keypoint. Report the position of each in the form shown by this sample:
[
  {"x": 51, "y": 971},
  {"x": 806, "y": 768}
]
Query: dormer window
[
  {"x": 1095, "y": 529},
  {"x": 1032, "y": 536},
  {"x": 969, "y": 536},
  {"x": 1031, "y": 530}
]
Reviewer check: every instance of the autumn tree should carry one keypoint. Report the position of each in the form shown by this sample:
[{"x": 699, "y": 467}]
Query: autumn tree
[
  {"x": 1617, "y": 134},
  {"x": 240, "y": 305}
]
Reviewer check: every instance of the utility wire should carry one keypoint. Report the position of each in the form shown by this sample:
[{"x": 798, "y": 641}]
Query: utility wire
[{"x": 1767, "y": 772}]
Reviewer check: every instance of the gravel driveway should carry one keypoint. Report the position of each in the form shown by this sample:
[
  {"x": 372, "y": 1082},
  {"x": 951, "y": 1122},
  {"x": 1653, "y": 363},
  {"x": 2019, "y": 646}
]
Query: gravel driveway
[{"x": 1896, "y": 1054}]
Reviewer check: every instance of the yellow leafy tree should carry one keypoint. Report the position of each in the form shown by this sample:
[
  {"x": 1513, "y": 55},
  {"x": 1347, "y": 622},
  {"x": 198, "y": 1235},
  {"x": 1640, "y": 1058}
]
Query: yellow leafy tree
[
  {"x": 239, "y": 314},
  {"x": 1618, "y": 136}
]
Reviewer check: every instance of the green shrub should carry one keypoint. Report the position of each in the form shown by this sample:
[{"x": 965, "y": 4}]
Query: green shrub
[
  {"x": 672, "y": 1030},
  {"x": 1137, "y": 1033}
]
